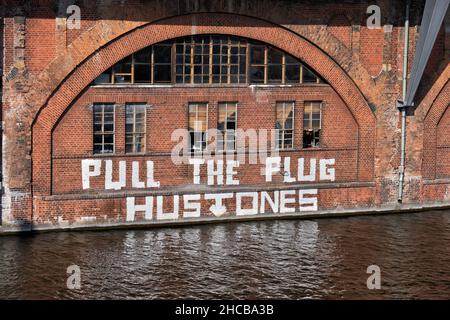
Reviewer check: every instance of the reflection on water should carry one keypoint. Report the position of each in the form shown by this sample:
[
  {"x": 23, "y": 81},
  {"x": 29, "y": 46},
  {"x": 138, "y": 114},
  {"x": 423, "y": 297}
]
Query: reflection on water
[{"x": 274, "y": 259}]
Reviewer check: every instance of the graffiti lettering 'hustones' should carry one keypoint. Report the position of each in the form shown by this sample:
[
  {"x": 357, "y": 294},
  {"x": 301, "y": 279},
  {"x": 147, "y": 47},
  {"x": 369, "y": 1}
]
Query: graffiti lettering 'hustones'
[{"x": 284, "y": 201}]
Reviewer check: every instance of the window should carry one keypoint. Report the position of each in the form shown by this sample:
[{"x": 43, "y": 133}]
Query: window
[
  {"x": 312, "y": 124},
  {"x": 271, "y": 66},
  {"x": 209, "y": 59},
  {"x": 308, "y": 76},
  {"x": 135, "y": 128},
  {"x": 122, "y": 71},
  {"x": 284, "y": 125},
  {"x": 274, "y": 66},
  {"x": 105, "y": 77},
  {"x": 227, "y": 126},
  {"x": 162, "y": 63},
  {"x": 292, "y": 70},
  {"x": 142, "y": 66},
  {"x": 151, "y": 65},
  {"x": 198, "y": 125},
  {"x": 257, "y": 64},
  {"x": 103, "y": 128}
]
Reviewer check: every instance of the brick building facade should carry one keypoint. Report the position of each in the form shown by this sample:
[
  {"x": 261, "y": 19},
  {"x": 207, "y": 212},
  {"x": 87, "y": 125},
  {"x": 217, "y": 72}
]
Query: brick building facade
[{"x": 70, "y": 120}]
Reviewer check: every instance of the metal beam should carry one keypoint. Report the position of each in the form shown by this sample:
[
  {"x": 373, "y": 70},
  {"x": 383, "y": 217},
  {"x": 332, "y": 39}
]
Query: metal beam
[{"x": 433, "y": 16}]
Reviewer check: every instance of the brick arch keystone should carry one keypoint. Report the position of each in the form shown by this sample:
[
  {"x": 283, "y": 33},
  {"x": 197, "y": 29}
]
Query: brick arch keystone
[{"x": 86, "y": 71}]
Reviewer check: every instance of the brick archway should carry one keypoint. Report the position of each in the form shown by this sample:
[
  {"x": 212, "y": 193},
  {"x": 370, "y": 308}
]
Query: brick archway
[
  {"x": 149, "y": 34},
  {"x": 434, "y": 115}
]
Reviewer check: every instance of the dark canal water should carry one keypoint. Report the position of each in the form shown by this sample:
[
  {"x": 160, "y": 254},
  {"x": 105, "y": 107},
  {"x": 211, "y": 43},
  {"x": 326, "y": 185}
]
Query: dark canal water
[{"x": 277, "y": 259}]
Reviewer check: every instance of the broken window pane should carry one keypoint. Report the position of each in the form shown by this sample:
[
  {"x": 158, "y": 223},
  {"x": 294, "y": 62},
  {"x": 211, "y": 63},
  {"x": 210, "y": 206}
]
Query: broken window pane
[
  {"x": 312, "y": 124},
  {"x": 284, "y": 125}
]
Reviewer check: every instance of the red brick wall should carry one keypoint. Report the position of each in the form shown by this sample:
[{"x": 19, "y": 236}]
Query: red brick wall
[
  {"x": 371, "y": 55},
  {"x": 47, "y": 94},
  {"x": 113, "y": 210},
  {"x": 40, "y": 39},
  {"x": 443, "y": 146},
  {"x": 136, "y": 40},
  {"x": 168, "y": 111},
  {"x": 436, "y": 131},
  {"x": 341, "y": 28},
  {"x": 8, "y": 40}
]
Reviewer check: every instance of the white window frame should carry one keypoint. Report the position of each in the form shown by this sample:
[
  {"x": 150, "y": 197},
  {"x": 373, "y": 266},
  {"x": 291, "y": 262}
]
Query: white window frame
[
  {"x": 321, "y": 103},
  {"x": 144, "y": 143},
  {"x": 282, "y": 147},
  {"x": 224, "y": 134},
  {"x": 196, "y": 119},
  {"x": 103, "y": 128}
]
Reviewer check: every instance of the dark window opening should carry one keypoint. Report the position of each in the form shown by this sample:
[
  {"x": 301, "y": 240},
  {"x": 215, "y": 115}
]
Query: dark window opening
[
  {"x": 312, "y": 124},
  {"x": 198, "y": 126},
  {"x": 209, "y": 59},
  {"x": 309, "y": 76},
  {"x": 105, "y": 77},
  {"x": 227, "y": 126}
]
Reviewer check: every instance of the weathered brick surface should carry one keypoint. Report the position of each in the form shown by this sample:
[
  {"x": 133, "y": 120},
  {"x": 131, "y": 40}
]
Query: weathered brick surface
[
  {"x": 167, "y": 112},
  {"x": 436, "y": 141},
  {"x": 46, "y": 97},
  {"x": 113, "y": 210}
]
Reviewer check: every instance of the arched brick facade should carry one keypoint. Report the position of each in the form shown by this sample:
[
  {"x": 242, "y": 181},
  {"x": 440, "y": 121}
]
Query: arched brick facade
[
  {"x": 47, "y": 96},
  {"x": 104, "y": 32},
  {"x": 146, "y": 35}
]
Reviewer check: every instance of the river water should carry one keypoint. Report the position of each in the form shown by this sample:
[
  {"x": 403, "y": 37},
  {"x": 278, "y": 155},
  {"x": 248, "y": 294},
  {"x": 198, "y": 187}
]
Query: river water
[{"x": 311, "y": 259}]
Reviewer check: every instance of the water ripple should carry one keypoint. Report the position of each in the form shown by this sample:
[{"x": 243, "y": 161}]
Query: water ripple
[{"x": 275, "y": 259}]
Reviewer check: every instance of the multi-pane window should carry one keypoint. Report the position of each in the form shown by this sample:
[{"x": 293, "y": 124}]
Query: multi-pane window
[
  {"x": 198, "y": 126},
  {"x": 312, "y": 124},
  {"x": 209, "y": 59},
  {"x": 103, "y": 128},
  {"x": 308, "y": 76},
  {"x": 135, "y": 128},
  {"x": 257, "y": 64},
  {"x": 151, "y": 65},
  {"x": 192, "y": 60},
  {"x": 271, "y": 66},
  {"x": 142, "y": 66},
  {"x": 229, "y": 63},
  {"x": 162, "y": 63},
  {"x": 123, "y": 71},
  {"x": 275, "y": 64},
  {"x": 105, "y": 77},
  {"x": 293, "y": 70},
  {"x": 284, "y": 125},
  {"x": 227, "y": 125}
]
